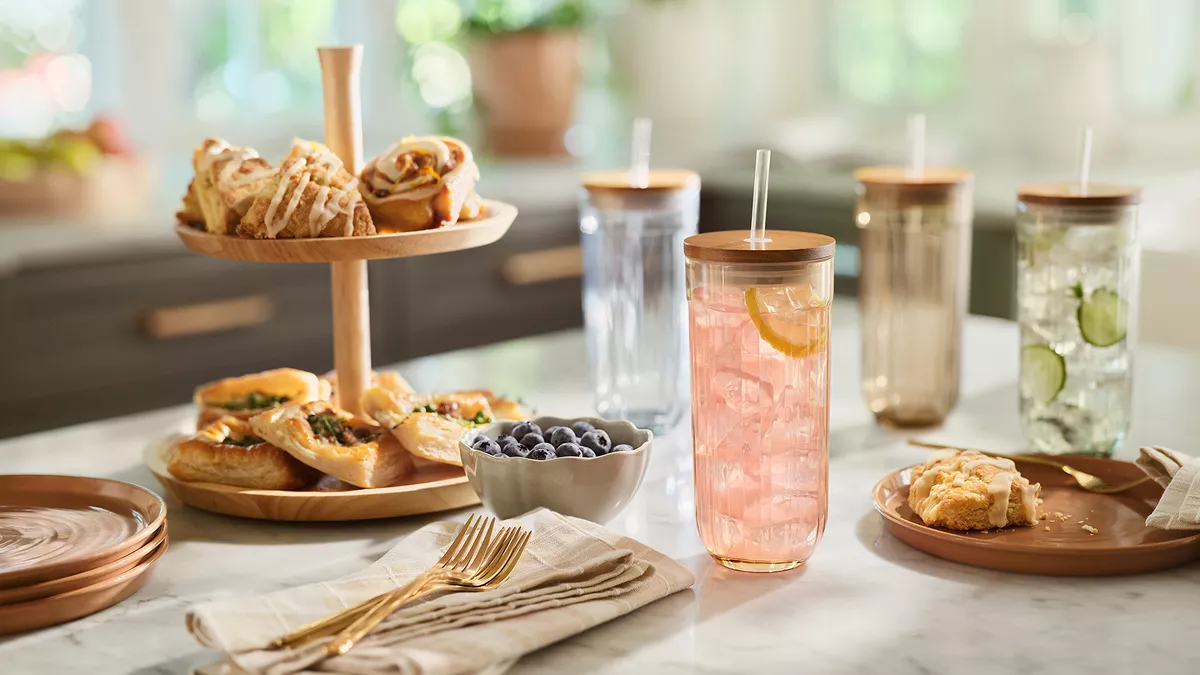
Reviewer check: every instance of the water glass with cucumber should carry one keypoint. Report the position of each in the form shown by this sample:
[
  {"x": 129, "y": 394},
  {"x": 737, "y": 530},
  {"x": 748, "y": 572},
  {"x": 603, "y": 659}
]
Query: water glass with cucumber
[{"x": 1077, "y": 271}]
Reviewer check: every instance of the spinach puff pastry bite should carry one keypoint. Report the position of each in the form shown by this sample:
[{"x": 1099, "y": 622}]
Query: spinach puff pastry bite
[
  {"x": 428, "y": 426},
  {"x": 249, "y": 395},
  {"x": 228, "y": 452},
  {"x": 336, "y": 442}
]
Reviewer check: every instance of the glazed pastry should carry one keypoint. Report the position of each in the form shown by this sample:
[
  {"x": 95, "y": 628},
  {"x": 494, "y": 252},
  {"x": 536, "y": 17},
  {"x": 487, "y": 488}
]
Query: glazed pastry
[
  {"x": 421, "y": 183},
  {"x": 502, "y": 408},
  {"x": 227, "y": 180},
  {"x": 190, "y": 213},
  {"x": 228, "y": 452},
  {"x": 971, "y": 491},
  {"x": 385, "y": 379},
  {"x": 246, "y": 396},
  {"x": 427, "y": 426},
  {"x": 312, "y": 195},
  {"x": 336, "y": 442}
]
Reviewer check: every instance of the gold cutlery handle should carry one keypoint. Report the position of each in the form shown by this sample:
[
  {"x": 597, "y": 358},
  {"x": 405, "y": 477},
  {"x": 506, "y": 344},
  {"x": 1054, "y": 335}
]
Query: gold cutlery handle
[
  {"x": 345, "y": 640},
  {"x": 340, "y": 620}
]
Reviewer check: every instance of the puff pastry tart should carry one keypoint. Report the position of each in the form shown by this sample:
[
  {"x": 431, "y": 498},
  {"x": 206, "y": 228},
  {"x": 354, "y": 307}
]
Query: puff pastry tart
[
  {"x": 246, "y": 396},
  {"x": 227, "y": 180},
  {"x": 421, "y": 183},
  {"x": 312, "y": 195},
  {"x": 189, "y": 212},
  {"x": 228, "y": 452},
  {"x": 336, "y": 442},
  {"x": 427, "y": 426},
  {"x": 972, "y": 491},
  {"x": 384, "y": 379}
]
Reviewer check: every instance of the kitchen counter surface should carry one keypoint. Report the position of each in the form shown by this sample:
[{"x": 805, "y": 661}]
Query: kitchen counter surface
[{"x": 865, "y": 603}]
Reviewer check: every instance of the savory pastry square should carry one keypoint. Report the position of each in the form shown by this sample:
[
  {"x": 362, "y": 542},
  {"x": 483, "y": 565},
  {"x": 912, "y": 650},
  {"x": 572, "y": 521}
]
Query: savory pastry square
[
  {"x": 312, "y": 195},
  {"x": 421, "y": 183},
  {"x": 384, "y": 379},
  {"x": 336, "y": 442},
  {"x": 972, "y": 491},
  {"x": 228, "y": 452},
  {"x": 249, "y": 395}
]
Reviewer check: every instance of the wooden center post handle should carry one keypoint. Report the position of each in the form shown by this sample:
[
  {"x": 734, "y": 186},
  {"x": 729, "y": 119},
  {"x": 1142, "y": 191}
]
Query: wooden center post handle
[{"x": 340, "y": 76}]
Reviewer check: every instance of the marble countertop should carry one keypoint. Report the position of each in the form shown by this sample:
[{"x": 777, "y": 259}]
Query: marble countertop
[{"x": 865, "y": 602}]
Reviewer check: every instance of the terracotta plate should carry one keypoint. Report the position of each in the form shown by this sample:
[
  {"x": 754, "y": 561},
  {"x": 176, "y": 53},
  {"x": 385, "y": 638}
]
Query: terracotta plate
[
  {"x": 45, "y": 589},
  {"x": 64, "y": 607},
  {"x": 433, "y": 488},
  {"x": 57, "y": 526},
  {"x": 496, "y": 220},
  {"x": 1122, "y": 544}
]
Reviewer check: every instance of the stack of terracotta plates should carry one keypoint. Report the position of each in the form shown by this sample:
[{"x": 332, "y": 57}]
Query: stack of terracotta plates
[{"x": 72, "y": 546}]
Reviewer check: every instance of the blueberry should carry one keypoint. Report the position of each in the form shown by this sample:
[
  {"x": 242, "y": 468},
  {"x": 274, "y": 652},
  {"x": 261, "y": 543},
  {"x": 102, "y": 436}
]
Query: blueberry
[
  {"x": 569, "y": 450},
  {"x": 587, "y": 452},
  {"x": 561, "y": 435},
  {"x": 542, "y": 451},
  {"x": 532, "y": 439},
  {"x": 580, "y": 428},
  {"x": 597, "y": 441},
  {"x": 623, "y": 448},
  {"x": 479, "y": 440},
  {"x": 520, "y": 429},
  {"x": 489, "y": 446},
  {"x": 550, "y": 430},
  {"x": 514, "y": 449},
  {"x": 505, "y": 440}
]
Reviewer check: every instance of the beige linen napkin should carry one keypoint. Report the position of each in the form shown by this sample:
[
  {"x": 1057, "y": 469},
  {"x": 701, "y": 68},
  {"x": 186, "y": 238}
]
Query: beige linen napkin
[
  {"x": 574, "y": 575},
  {"x": 1179, "y": 474}
]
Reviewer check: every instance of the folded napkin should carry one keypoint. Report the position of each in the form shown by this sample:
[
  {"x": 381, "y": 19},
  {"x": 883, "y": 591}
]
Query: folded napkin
[
  {"x": 1179, "y": 474},
  {"x": 573, "y": 575}
]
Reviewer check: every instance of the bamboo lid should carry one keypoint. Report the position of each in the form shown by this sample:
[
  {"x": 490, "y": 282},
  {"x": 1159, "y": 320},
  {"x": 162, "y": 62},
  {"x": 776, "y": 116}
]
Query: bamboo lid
[
  {"x": 730, "y": 246},
  {"x": 660, "y": 180},
  {"x": 1068, "y": 194},
  {"x": 896, "y": 184}
]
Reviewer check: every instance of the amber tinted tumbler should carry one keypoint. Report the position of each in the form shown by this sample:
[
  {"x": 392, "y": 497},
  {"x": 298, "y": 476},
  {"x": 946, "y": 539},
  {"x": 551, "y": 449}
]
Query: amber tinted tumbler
[{"x": 915, "y": 240}]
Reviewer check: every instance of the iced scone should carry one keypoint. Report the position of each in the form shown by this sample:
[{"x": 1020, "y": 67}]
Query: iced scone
[{"x": 972, "y": 491}]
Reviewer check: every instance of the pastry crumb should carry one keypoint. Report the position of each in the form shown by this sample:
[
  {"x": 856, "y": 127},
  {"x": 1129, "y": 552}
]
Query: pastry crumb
[
  {"x": 1044, "y": 516},
  {"x": 1058, "y": 514},
  {"x": 1047, "y": 528},
  {"x": 1090, "y": 529},
  {"x": 1041, "y": 501},
  {"x": 1080, "y": 522}
]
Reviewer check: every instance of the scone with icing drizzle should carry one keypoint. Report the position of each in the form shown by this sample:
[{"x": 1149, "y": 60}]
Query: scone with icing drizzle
[
  {"x": 972, "y": 491},
  {"x": 227, "y": 180},
  {"x": 312, "y": 195}
]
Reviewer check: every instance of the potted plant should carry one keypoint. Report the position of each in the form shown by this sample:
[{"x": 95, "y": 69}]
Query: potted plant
[{"x": 524, "y": 60}]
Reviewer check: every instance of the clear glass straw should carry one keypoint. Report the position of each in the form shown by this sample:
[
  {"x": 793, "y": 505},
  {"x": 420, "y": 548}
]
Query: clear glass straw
[
  {"x": 1085, "y": 160},
  {"x": 758, "y": 217},
  {"x": 639, "y": 156},
  {"x": 916, "y": 145}
]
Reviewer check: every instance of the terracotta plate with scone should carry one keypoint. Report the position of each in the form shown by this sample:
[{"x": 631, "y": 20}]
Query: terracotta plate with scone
[{"x": 1077, "y": 533}]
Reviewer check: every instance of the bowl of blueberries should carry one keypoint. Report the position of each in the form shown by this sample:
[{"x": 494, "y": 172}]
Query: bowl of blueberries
[{"x": 583, "y": 467}]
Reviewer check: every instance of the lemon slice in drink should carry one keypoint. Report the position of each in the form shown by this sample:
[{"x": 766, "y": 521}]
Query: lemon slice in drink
[{"x": 789, "y": 318}]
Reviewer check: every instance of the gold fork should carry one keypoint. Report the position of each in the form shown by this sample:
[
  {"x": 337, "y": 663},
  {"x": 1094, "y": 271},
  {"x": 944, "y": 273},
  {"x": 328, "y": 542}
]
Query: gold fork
[
  {"x": 474, "y": 535},
  {"x": 484, "y": 575},
  {"x": 1087, "y": 481}
]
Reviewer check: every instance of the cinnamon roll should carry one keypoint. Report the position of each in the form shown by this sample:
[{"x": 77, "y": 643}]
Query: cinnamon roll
[
  {"x": 421, "y": 183},
  {"x": 312, "y": 195}
]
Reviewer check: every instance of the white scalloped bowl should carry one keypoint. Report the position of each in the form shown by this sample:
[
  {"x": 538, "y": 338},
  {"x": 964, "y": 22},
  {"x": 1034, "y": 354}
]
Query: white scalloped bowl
[{"x": 592, "y": 488}]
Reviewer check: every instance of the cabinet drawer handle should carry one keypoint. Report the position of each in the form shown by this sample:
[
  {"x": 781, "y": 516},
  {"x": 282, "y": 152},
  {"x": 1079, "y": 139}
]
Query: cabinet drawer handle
[
  {"x": 535, "y": 267},
  {"x": 216, "y": 316}
]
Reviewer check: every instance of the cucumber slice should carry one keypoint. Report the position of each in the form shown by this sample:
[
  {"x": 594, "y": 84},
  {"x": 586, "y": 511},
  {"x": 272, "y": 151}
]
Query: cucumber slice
[
  {"x": 1102, "y": 318},
  {"x": 1043, "y": 373}
]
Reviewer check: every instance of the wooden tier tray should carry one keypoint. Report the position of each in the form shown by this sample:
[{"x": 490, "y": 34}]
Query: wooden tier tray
[
  {"x": 339, "y": 249},
  {"x": 431, "y": 489}
]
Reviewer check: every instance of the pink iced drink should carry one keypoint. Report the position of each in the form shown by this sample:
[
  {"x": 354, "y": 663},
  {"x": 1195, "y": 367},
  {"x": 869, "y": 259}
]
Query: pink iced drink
[{"x": 760, "y": 425}]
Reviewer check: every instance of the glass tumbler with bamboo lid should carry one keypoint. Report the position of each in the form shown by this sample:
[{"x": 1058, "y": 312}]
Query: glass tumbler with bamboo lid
[
  {"x": 1077, "y": 274},
  {"x": 915, "y": 241}
]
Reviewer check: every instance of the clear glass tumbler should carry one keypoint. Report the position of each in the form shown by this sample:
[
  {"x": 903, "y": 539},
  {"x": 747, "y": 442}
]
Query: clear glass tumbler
[
  {"x": 760, "y": 394},
  {"x": 1076, "y": 301},
  {"x": 915, "y": 241},
  {"x": 633, "y": 292}
]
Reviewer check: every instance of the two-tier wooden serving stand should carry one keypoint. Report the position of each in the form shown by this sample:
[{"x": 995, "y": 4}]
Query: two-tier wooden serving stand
[{"x": 347, "y": 258}]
